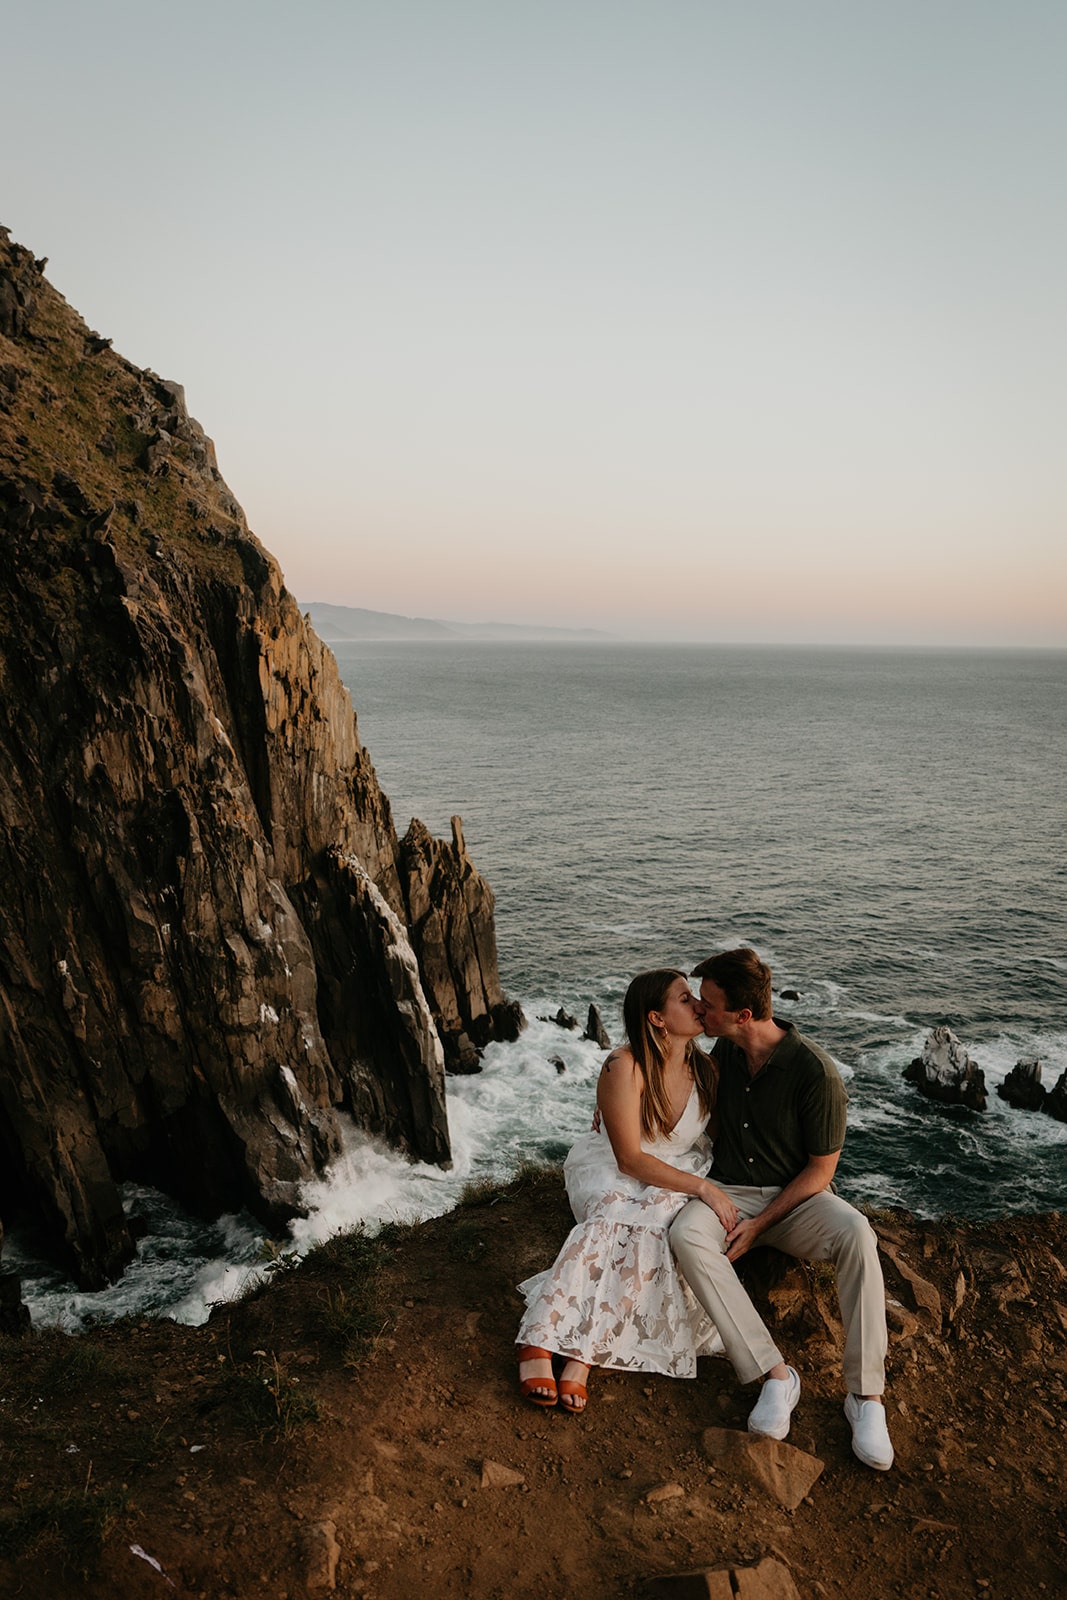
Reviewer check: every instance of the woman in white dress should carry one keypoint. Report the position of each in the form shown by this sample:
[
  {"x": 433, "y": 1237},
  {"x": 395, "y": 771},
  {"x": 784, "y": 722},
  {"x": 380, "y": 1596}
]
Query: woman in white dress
[{"x": 614, "y": 1297}]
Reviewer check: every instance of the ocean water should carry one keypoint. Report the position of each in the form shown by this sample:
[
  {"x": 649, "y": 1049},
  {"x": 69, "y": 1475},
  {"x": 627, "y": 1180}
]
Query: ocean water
[{"x": 885, "y": 827}]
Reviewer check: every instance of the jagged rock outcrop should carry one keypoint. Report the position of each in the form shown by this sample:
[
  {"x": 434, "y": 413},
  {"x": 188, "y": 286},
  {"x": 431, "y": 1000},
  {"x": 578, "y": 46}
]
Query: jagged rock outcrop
[
  {"x": 595, "y": 1029},
  {"x": 450, "y": 915},
  {"x": 946, "y": 1072},
  {"x": 204, "y": 934},
  {"x": 1023, "y": 1087},
  {"x": 1056, "y": 1099}
]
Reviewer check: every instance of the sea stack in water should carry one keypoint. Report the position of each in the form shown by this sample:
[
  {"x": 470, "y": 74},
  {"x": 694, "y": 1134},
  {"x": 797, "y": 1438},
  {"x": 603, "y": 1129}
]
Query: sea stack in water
[
  {"x": 211, "y": 940},
  {"x": 946, "y": 1072},
  {"x": 1056, "y": 1099},
  {"x": 595, "y": 1029},
  {"x": 1022, "y": 1087}
]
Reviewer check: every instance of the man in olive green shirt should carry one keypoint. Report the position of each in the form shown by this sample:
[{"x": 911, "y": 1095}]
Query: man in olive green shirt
[{"x": 781, "y": 1124}]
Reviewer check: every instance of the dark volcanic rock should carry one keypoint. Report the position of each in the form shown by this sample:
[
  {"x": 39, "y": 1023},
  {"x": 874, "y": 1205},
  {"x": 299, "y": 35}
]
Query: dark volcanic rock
[
  {"x": 595, "y": 1029},
  {"x": 1056, "y": 1099},
  {"x": 14, "y": 1315},
  {"x": 946, "y": 1072},
  {"x": 1022, "y": 1087},
  {"x": 204, "y": 934}
]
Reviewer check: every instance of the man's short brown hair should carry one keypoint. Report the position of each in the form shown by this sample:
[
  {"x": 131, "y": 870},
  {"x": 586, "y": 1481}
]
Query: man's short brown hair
[{"x": 744, "y": 979}]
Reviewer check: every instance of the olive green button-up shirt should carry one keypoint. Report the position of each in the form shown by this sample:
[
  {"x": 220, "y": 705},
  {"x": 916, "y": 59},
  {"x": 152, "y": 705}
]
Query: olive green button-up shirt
[{"x": 770, "y": 1124}]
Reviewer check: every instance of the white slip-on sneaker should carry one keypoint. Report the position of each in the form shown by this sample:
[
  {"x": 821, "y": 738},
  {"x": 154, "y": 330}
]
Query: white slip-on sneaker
[
  {"x": 772, "y": 1411},
  {"x": 870, "y": 1434}
]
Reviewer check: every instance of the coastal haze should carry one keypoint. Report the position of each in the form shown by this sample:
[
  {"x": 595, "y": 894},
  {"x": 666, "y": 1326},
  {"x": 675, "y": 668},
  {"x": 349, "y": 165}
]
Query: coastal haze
[{"x": 737, "y": 324}]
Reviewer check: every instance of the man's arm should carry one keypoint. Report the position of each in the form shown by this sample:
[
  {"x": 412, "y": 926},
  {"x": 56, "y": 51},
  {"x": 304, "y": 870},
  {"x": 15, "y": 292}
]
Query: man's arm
[{"x": 812, "y": 1179}]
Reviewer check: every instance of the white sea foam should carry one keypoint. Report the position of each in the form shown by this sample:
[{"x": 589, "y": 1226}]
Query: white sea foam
[
  {"x": 883, "y": 1020},
  {"x": 181, "y": 1267},
  {"x": 520, "y": 1107}
]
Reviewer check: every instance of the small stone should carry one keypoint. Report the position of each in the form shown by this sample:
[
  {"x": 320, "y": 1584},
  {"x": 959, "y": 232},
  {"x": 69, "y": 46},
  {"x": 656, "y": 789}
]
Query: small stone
[
  {"x": 664, "y": 1491},
  {"x": 497, "y": 1476},
  {"x": 787, "y": 1473},
  {"x": 321, "y": 1553},
  {"x": 768, "y": 1580}
]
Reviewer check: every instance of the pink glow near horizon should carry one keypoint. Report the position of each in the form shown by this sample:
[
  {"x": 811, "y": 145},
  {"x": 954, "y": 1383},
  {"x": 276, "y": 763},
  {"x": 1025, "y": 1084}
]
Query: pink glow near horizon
[{"x": 705, "y": 322}]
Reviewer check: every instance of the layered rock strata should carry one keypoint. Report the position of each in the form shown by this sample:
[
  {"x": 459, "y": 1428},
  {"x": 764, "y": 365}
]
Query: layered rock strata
[
  {"x": 206, "y": 918},
  {"x": 450, "y": 915}
]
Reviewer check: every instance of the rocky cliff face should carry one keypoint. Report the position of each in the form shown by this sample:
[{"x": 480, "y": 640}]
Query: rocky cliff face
[{"x": 205, "y": 913}]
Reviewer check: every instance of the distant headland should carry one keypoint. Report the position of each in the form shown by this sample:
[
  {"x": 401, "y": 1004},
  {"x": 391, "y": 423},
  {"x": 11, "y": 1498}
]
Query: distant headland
[{"x": 339, "y": 624}]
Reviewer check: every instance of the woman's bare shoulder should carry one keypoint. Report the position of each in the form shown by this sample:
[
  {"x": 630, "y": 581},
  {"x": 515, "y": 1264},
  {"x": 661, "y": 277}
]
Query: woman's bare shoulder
[{"x": 620, "y": 1065}]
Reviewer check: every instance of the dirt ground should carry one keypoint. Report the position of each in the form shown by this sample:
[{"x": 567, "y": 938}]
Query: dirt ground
[{"x": 242, "y": 1457}]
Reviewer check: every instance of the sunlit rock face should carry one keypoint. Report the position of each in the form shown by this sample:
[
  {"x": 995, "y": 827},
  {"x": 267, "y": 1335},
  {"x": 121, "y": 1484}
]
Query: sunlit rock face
[
  {"x": 205, "y": 947},
  {"x": 947, "y": 1073}
]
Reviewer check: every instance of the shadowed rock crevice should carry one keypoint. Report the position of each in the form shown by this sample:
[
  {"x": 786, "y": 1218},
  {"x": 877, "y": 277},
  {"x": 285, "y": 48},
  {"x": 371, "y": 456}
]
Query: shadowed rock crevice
[{"x": 204, "y": 923}]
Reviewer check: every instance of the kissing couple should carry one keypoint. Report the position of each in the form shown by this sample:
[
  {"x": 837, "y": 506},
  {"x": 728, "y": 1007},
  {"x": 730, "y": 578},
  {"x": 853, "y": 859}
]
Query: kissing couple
[{"x": 693, "y": 1160}]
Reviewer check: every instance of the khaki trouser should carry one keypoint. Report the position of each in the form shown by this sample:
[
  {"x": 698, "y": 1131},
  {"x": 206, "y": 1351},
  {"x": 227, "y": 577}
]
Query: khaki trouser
[{"x": 824, "y": 1228}]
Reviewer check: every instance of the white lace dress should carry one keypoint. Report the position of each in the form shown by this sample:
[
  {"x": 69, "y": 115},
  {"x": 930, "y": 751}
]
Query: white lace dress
[{"x": 614, "y": 1297}]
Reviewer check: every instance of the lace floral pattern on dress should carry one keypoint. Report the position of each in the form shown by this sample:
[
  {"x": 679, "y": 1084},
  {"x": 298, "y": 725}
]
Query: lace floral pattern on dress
[{"x": 614, "y": 1297}]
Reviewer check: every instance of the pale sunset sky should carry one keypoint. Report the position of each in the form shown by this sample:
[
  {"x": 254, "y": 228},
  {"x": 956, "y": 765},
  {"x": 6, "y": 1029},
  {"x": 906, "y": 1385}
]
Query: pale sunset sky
[{"x": 683, "y": 320}]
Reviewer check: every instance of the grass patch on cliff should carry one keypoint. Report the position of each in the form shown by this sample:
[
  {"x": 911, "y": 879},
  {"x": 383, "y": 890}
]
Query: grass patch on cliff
[
  {"x": 71, "y": 1526},
  {"x": 270, "y": 1398},
  {"x": 66, "y": 1364},
  {"x": 528, "y": 1177},
  {"x": 352, "y": 1316}
]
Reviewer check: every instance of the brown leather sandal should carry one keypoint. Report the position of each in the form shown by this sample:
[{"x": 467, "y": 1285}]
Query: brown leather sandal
[
  {"x": 539, "y": 1391},
  {"x": 571, "y": 1391}
]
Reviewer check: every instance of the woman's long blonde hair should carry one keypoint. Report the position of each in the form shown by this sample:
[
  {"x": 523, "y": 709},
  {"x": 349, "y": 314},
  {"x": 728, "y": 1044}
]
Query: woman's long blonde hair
[{"x": 648, "y": 992}]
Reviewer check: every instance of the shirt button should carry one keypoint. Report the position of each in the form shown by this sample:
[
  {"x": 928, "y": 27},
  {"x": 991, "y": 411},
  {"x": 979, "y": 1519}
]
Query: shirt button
[
  {"x": 744, "y": 1124},
  {"x": 751, "y": 1159}
]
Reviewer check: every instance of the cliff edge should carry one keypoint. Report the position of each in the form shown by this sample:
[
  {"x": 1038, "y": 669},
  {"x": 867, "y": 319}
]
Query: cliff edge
[
  {"x": 355, "y": 1428},
  {"x": 211, "y": 939}
]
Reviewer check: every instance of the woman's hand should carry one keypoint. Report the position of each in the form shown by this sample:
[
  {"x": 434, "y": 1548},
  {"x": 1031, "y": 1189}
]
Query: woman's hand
[{"x": 721, "y": 1204}]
